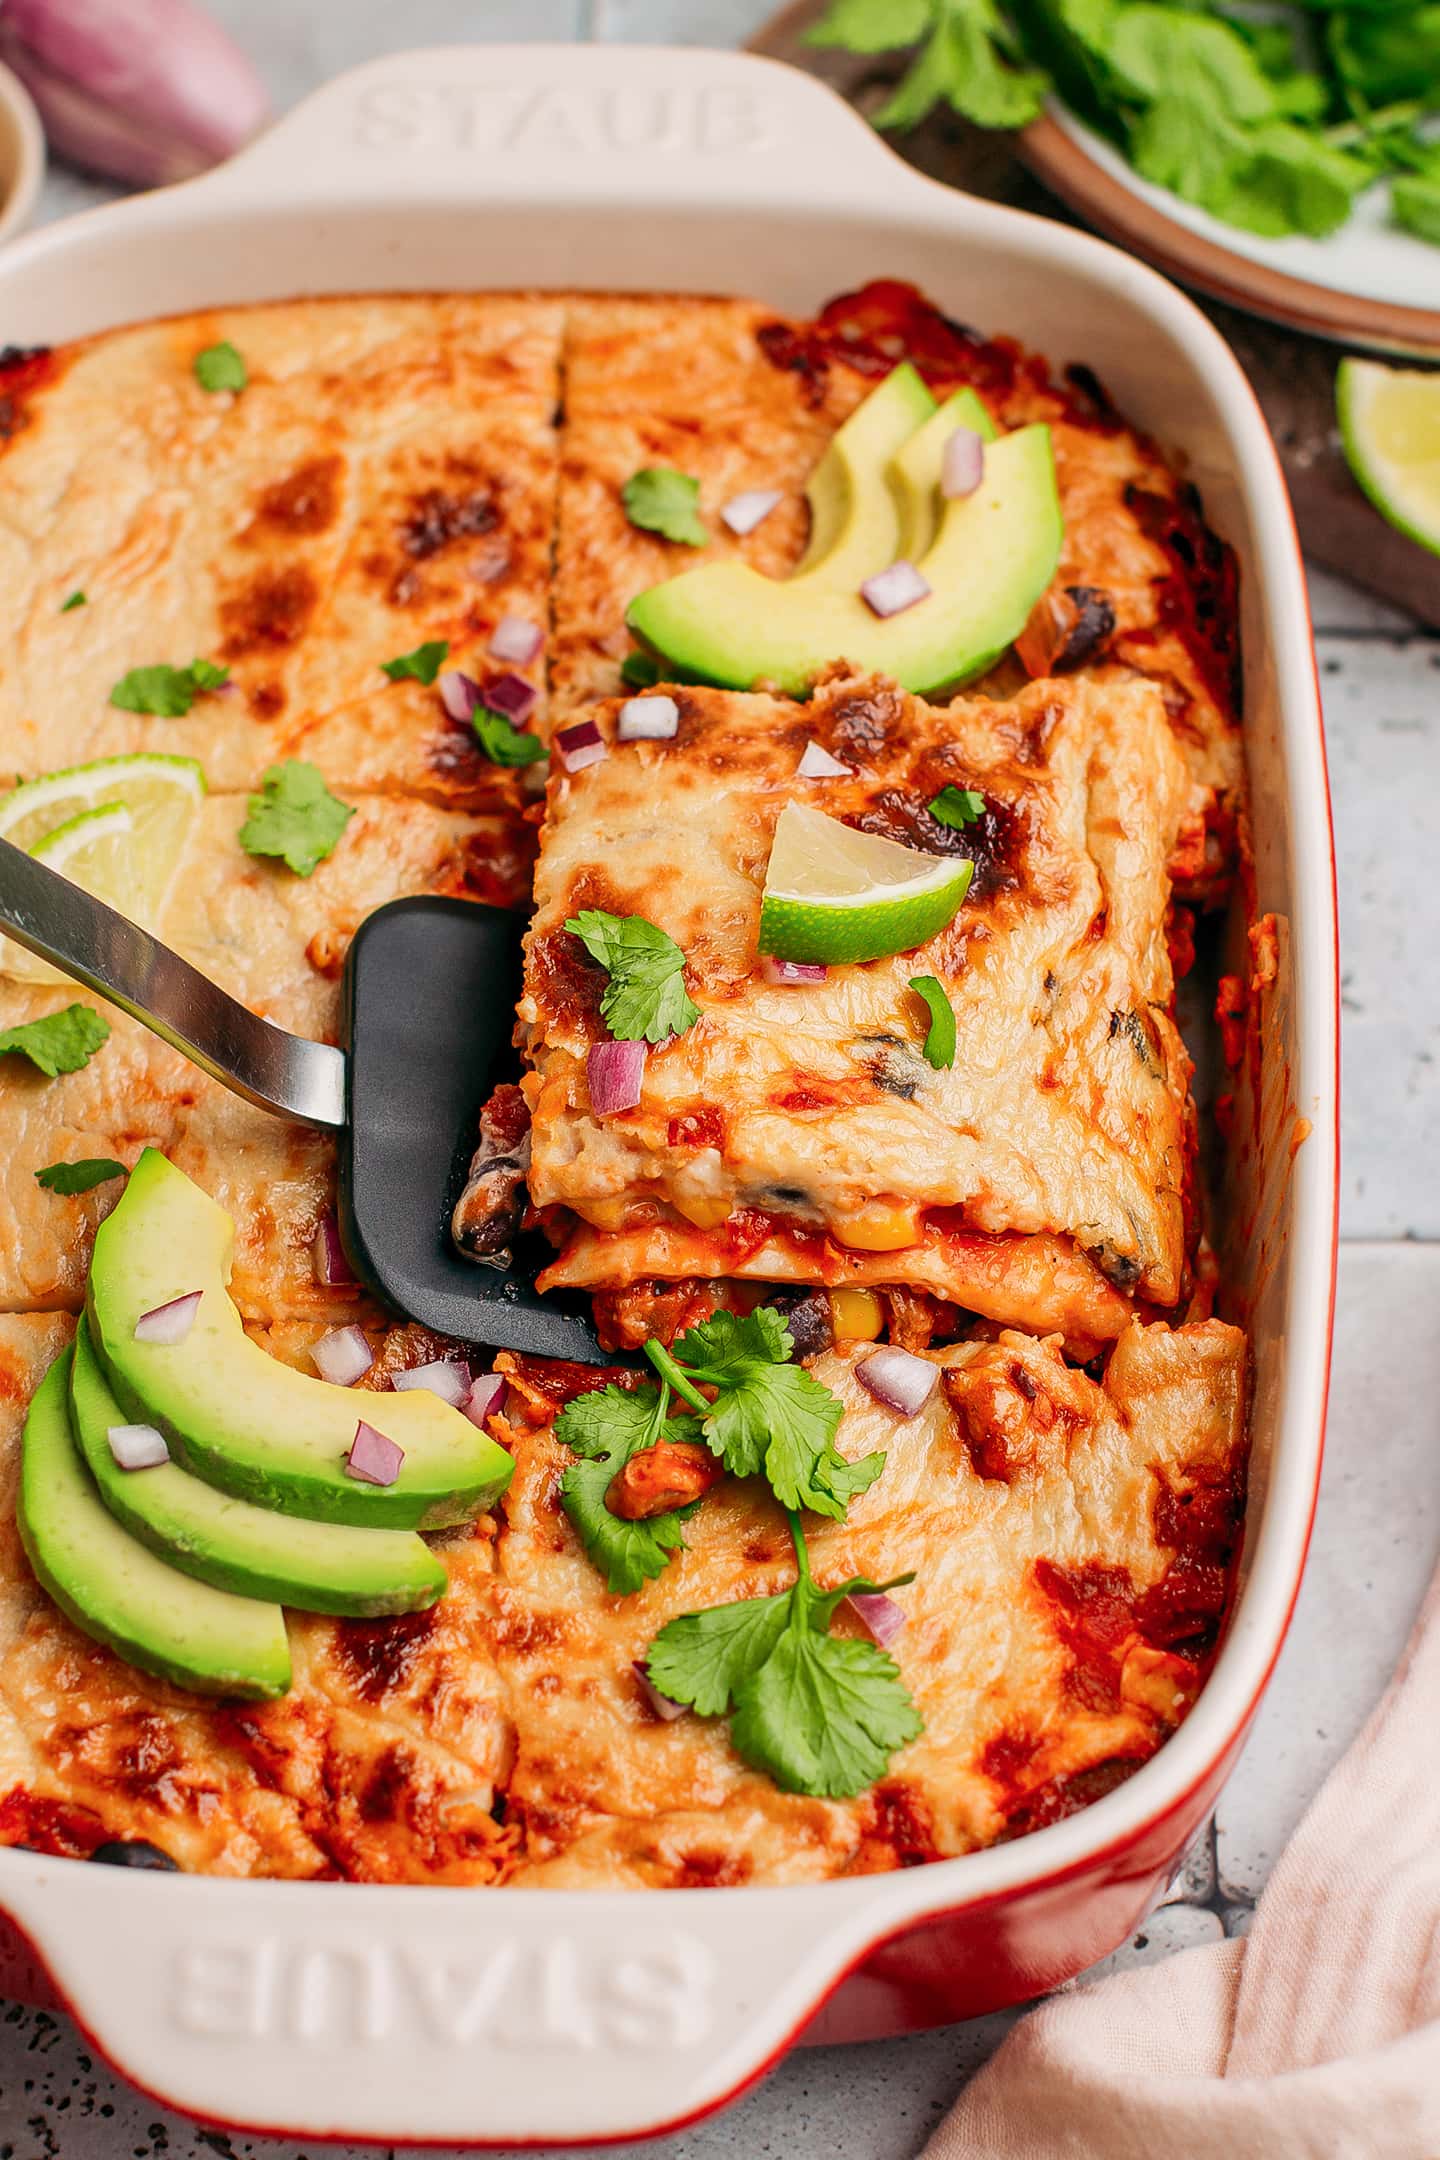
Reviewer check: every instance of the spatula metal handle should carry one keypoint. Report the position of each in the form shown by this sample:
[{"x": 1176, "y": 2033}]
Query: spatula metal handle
[{"x": 103, "y": 951}]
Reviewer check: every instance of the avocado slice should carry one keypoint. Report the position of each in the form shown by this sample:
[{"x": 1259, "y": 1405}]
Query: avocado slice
[
  {"x": 115, "y": 1588},
  {"x": 854, "y": 519},
  {"x": 241, "y": 1420},
  {"x": 915, "y": 470},
  {"x": 993, "y": 556},
  {"x": 233, "y": 1545}
]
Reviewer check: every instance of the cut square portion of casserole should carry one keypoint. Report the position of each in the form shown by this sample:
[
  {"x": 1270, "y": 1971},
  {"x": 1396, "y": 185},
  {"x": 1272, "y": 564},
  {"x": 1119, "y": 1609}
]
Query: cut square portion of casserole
[
  {"x": 381, "y": 1764},
  {"x": 740, "y": 398},
  {"x": 277, "y": 942},
  {"x": 1071, "y": 1544},
  {"x": 385, "y": 479},
  {"x": 796, "y": 1133}
]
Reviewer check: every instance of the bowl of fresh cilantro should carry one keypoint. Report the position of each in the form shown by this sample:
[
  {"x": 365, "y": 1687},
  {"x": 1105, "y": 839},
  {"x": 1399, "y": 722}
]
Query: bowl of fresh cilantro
[{"x": 1285, "y": 157}]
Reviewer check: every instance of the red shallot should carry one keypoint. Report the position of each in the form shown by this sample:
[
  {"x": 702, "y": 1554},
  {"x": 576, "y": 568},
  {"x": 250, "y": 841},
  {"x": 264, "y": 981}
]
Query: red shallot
[
  {"x": 792, "y": 971},
  {"x": 817, "y": 764},
  {"x": 373, "y": 1458},
  {"x": 137, "y": 1447},
  {"x": 647, "y": 719},
  {"x": 664, "y": 1706},
  {"x": 486, "y": 1396},
  {"x": 748, "y": 509},
  {"x": 899, "y": 1379},
  {"x": 580, "y": 746},
  {"x": 342, "y": 1355},
  {"x": 446, "y": 1377},
  {"x": 615, "y": 1072},
  {"x": 332, "y": 1269},
  {"x": 516, "y": 640},
  {"x": 962, "y": 463},
  {"x": 891, "y": 591},
  {"x": 880, "y": 1616},
  {"x": 171, "y": 1322}
]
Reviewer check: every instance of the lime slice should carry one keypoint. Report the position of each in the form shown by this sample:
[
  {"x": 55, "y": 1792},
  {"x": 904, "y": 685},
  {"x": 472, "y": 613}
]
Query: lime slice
[
  {"x": 1390, "y": 423},
  {"x": 90, "y": 850},
  {"x": 159, "y": 792},
  {"x": 834, "y": 894}
]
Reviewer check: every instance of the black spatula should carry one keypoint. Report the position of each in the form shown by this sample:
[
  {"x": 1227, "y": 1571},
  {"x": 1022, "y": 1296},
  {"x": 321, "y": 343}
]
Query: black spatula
[{"x": 429, "y": 1003}]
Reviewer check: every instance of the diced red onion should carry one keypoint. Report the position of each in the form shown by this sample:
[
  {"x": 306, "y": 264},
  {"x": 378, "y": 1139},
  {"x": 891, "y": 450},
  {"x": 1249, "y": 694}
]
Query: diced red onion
[
  {"x": 664, "y": 1706},
  {"x": 446, "y": 1377},
  {"x": 516, "y": 640},
  {"x": 146, "y": 90},
  {"x": 171, "y": 1322},
  {"x": 891, "y": 591},
  {"x": 647, "y": 719},
  {"x": 616, "y": 1074},
  {"x": 342, "y": 1355},
  {"x": 459, "y": 694},
  {"x": 510, "y": 695},
  {"x": 784, "y": 972},
  {"x": 580, "y": 746},
  {"x": 899, "y": 1379},
  {"x": 373, "y": 1457},
  {"x": 137, "y": 1447},
  {"x": 962, "y": 463},
  {"x": 880, "y": 1616},
  {"x": 332, "y": 1269},
  {"x": 745, "y": 511},
  {"x": 817, "y": 764},
  {"x": 487, "y": 1395}
]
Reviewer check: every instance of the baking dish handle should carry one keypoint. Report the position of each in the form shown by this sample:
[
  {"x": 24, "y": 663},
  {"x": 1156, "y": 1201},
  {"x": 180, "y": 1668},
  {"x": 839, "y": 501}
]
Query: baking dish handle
[
  {"x": 569, "y": 123},
  {"x": 348, "y": 2011}
]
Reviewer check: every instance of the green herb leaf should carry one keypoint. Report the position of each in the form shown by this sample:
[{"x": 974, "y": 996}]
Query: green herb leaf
[
  {"x": 76, "y": 599},
  {"x": 294, "y": 816},
  {"x": 166, "y": 691},
  {"x": 965, "y": 63},
  {"x": 422, "y": 665},
  {"x": 660, "y": 500},
  {"x": 646, "y": 1000},
  {"x": 770, "y": 1416},
  {"x": 501, "y": 741},
  {"x": 872, "y": 26},
  {"x": 78, "y": 1177},
  {"x": 957, "y": 807},
  {"x": 221, "y": 367},
  {"x": 1415, "y": 206},
  {"x": 940, "y": 1038},
  {"x": 60, "y": 1042},
  {"x": 640, "y": 671},
  {"x": 821, "y": 1714},
  {"x": 606, "y": 1426}
]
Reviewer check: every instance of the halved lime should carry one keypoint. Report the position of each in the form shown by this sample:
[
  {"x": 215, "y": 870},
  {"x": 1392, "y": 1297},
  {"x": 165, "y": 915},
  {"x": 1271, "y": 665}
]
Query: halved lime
[
  {"x": 160, "y": 793},
  {"x": 834, "y": 894},
  {"x": 90, "y": 850},
  {"x": 1390, "y": 425}
]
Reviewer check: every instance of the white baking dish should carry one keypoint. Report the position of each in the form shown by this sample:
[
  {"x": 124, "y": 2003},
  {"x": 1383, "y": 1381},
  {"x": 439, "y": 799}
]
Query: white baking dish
[{"x": 513, "y": 2016}]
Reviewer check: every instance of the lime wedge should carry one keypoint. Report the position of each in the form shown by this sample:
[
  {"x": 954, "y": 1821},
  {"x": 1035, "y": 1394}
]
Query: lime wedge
[
  {"x": 834, "y": 894},
  {"x": 124, "y": 850},
  {"x": 1390, "y": 424},
  {"x": 159, "y": 792}
]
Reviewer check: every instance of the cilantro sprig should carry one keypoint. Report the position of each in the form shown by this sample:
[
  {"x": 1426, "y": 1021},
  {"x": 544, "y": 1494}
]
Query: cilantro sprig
[
  {"x": 645, "y": 999},
  {"x": 80, "y": 1176},
  {"x": 221, "y": 367},
  {"x": 957, "y": 807},
  {"x": 294, "y": 816},
  {"x": 58, "y": 1042},
  {"x": 606, "y": 1427},
  {"x": 168, "y": 692},
  {"x": 820, "y": 1713},
  {"x": 501, "y": 741},
  {"x": 658, "y": 499},
  {"x": 769, "y": 1417},
  {"x": 422, "y": 665}
]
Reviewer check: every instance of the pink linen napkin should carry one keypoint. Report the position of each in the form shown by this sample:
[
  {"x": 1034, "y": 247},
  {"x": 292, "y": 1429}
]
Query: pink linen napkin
[{"x": 1315, "y": 2038}]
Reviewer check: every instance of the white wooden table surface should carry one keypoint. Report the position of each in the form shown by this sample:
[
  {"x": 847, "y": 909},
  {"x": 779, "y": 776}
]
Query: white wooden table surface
[{"x": 1379, "y": 1520}]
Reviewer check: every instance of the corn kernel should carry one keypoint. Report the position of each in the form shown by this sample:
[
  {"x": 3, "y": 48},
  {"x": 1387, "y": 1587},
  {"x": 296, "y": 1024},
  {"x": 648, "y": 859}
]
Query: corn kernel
[
  {"x": 705, "y": 1210},
  {"x": 856, "y": 1315},
  {"x": 879, "y": 1229}
]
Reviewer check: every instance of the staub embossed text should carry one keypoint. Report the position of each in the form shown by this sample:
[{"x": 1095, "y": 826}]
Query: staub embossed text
[{"x": 716, "y": 119}]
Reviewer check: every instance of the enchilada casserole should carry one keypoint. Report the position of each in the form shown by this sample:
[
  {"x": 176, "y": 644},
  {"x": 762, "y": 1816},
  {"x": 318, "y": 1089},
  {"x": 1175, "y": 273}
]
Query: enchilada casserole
[{"x": 853, "y": 706}]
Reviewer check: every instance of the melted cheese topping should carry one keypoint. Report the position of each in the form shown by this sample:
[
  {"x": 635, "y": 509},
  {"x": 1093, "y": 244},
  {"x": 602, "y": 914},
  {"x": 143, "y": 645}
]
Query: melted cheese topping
[
  {"x": 1066, "y": 1109},
  {"x": 1071, "y": 1543}
]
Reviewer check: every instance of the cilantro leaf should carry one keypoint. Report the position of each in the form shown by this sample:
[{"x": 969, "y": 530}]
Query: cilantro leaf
[
  {"x": 646, "y": 999},
  {"x": 769, "y": 1416},
  {"x": 966, "y": 63},
  {"x": 221, "y": 367},
  {"x": 821, "y": 1714},
  {"x": 60, "y": 1042},
  {"x": 294, "y": 816},
  {"x": 661, "y": 500},
  {"x": 940, "y": 1036},
  {"x": 167, "y": 691},
  {"x": 872, "y": 26},
  {"x": 78, "y": 1177},
  {"x": 605, "y": 1427},
  {"x": 501, "y": 741},
  {"x": 957, "y": 807},
  {"x": 76, "y": 599},
  {"x": 1415, "y": 206},
  {"x": 703, "y": 1657},
  {"x": 422, "y": 665}
]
